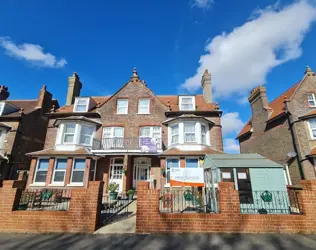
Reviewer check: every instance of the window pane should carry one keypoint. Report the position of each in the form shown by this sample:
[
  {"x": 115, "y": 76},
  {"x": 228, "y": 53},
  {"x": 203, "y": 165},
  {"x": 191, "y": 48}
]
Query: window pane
[
  {"x": 314, "y": 133},
  {"x": 145, "y": 131},
  {"x": 203, "y": 139},
  {"x": 191, "y": 163},
  {"x": 43, "y": 164},
  {"x": 86, "y": 130},
  {"x": 85, "y": 139},
  {"x": 121, "y": 110},
  {"x": 61, "y": 164},
  {"x": 79, "y": 164},
  {"x": 77, "y": 176},
  {"x": 312, "y": 123},
  {"x": 174, "y": 129},
  {"x": 70, "y": 128},
  {"x": 122, "y": 103},
  {"x": 189, "y": 127},
  {"x": 189, "y": 137},
  {"x": 172, "y": 163},
  {"x": 168, "y": 176},
  {"x": 143, "y": 110},
  {"x": 187, "y": 100},
  {"x": 59, "y": 176},
  {"x": 81, "y": 107},
  {"x": 82, "y": 102},
  {"x": 143, "y": 106},
  {"x": 175, "y": 139},
  {"x": 41, "y": 176},
  {"x": 69, "y": 138},
  {"x": 107, "y": 132},
  {"x": 118, "y": 132}
]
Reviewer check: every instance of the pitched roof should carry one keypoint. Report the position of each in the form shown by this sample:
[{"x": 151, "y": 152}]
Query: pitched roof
[
  {"x": 27, "y": 106},
  {"x": 309, "y": 114},
  {"x": 51, "y": 151},
  {"x": 173, "y": 102},
  {"x": 177, "y": 152},
  {"x": 276, "y": 106},
  {"x": 99, "y": 100}
]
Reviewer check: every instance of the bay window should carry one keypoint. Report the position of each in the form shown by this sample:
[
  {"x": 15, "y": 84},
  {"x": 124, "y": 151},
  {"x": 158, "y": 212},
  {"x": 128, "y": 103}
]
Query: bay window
[
  {"x": 312, "y": 128},
  {"x": 174, "y": 134},
  {"x": 144, "y": 106},
  {"x": 189, "y": 132},
  {"x": 69, "y": 133},
  {"x": 59, "y": 171},
  {"x": 122, "y": 106},
  {"x": 77, "y": 172},
  {"x": 41, "y": 171}
]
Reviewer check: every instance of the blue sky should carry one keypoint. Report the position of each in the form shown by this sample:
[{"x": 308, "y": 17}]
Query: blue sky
[{"x": 242, "y": 43}]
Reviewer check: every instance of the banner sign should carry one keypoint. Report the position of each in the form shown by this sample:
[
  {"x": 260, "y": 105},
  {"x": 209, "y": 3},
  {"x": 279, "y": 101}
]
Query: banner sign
[
  {"x": 187, "y": 177},
  {"x": 148, "y": 145}
]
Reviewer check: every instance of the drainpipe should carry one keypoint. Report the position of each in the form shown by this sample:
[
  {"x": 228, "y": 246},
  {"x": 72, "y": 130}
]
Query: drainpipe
[{"x": 291, "y": 123}]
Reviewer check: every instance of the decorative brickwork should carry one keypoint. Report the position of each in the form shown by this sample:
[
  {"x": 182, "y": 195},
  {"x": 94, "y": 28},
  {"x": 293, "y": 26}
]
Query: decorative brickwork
[{"x": 149, "y": 220}]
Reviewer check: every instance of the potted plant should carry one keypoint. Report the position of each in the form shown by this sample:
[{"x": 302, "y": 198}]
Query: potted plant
[
  {"x": 112, "y": 188},
  {"x": 163, "y": 171},
  {"x": 130, "y": 194}
]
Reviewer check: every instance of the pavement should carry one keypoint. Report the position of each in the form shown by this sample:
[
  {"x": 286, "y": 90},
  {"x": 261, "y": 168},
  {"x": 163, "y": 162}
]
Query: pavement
[
  {"x": 153, "y": 242},
  {"x": 125, "y": 225}
]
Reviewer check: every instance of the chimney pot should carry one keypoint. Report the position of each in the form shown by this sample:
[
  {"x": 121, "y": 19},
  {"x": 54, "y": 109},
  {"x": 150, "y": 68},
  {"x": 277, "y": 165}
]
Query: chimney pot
[
  {"x": 4, "y": 93},
  {"x": 74, "y": 87},
  {"x": 308, "y": 71}
]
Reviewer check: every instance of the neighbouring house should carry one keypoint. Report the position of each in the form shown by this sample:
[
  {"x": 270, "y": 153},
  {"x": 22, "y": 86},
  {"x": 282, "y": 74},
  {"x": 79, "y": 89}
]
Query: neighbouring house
[
  {"x": 129, "y": 136},
  {"x": 23, "y": 125},
  {"x": 284, "y": 130}
]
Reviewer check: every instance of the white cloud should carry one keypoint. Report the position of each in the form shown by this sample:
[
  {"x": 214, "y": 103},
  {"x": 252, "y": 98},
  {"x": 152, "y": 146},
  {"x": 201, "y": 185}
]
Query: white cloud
[
  {"x": 242, "y": 58},
  {"x": 231, "y": 123},
  {"x": 203, "y": 4},
  {"x": 32, "y": 53},
  {"x": 231, "y": 146}
]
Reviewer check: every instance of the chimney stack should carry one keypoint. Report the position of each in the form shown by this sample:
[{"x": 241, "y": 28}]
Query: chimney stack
[
  {"x": 206, "y": 86},
  {"x": 44, "y": 100},
  {"x": 74, "y": 87},
  {"x": 4, "y": 93}
]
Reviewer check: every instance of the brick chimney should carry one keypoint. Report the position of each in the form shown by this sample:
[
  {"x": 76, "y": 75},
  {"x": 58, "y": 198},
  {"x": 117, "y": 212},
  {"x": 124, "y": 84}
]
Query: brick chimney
[
  {"x": 4, "y": 93},
  {"x": 259, "y": 107},
  {"x": 44, "y": 100},
  {"x": 206, "y": 86},
  {"x": 74, "y": 87}
]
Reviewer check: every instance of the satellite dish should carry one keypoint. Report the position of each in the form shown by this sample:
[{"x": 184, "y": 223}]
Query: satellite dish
[{"x": 291, "y": 154}]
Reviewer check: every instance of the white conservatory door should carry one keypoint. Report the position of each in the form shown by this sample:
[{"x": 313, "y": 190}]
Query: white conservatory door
[
  {"x": 116, "y": 172},
  {"x": 141, "y": 170}
]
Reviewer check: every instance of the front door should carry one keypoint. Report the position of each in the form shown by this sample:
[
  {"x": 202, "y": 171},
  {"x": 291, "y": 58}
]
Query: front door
[
  {"x": 141, "y": 170},
  {"x": 116, "y": 172}
]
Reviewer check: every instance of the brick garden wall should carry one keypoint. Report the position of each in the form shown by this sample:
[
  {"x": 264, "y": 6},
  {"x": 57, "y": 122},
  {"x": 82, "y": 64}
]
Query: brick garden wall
[
  {"x": 82, "y": 216},
  {"x": 149, "y": 220}
]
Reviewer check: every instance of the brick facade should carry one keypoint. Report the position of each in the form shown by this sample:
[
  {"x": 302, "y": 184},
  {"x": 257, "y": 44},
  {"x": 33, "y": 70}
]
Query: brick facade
[
  {"x": 150, "y": 220},
  {"x": 82, "y": 216}
]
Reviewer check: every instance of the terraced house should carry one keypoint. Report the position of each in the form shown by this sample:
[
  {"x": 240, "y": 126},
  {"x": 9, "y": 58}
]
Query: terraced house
[
  {"x": 23, "y": 125},
  {"x": 284, "y": 130},
  {"x": 129, "y": 136}
]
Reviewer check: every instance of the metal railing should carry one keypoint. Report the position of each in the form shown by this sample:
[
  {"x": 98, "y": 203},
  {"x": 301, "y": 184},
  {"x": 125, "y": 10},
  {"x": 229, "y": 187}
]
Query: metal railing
[
  {"x": 185, "y": 200},
  {"x": 269, "y": 202},
  {"x": 44, "y": 199},
  {"x": 114, "y": 209},
  {"x": 128, "y": 144}
]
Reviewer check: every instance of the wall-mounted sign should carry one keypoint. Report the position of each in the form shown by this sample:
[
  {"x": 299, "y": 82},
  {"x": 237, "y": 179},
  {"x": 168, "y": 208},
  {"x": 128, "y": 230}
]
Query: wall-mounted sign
[
  {"x": 242, "y": 176},
  {"x": 187, "y": 177},
  {"x": 226, "y": 175},
  {"x": 148, "y": 145}
]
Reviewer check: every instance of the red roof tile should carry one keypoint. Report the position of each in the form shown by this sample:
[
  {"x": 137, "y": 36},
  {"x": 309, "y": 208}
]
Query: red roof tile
[
  {"x": 277, "y": 107},
  {"x": 99, "y": 100},
  {"x": 51, "y": 151},
  {"x": 176, "y": 151}
]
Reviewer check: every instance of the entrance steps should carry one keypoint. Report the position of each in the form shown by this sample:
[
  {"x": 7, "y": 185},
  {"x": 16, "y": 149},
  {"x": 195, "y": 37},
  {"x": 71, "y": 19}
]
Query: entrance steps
[{"x": 125, "y": 222}]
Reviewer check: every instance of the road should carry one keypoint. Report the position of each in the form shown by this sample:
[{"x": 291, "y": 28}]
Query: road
[{"x": 153, "y": 242}]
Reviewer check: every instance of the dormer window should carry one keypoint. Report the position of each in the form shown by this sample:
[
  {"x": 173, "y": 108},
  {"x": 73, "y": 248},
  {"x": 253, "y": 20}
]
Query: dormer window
[
  {"x": 81, "y": 105},
  {"x": 311, "y": 99},
  {"x": 187, "y": 103}
]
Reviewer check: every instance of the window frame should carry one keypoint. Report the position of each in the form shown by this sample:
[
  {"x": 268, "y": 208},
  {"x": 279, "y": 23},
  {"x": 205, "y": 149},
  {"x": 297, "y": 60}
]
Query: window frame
[
  {"x": 151, "y": 131},
  {"x": 181, "y": 103},
  {"x": 62, "y": 183},
  {"x": 74, "y": 133},
  {"x": 205, "y": 135},
  {"x": 73, "y": 170},
  {"x": 167, "y": 184},
  {"x": 314, "y": 100},
  {"x": 184, "y": 133},
  {"x": 36, "y": 171},
  {"x": 139, "y": 106},
  {"x": 91, "y": 136},
  {"x": 194, "y": 158},
  {"x": 76, "y": 104},
  {"x": 117, "y": 106},
  {"x": 172, "y": 135},
  {"x": 310, "y": 128}
]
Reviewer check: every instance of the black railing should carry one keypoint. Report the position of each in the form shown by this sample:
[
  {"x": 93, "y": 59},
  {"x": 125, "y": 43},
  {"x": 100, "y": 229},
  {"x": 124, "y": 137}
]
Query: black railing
[
  {"x": 142, "y": 144},
  {"x": 114, "y": 209},
  {"x": 184, "y": 200},
  {"x": 269, "y": 202},
  {"x": 45, "y": 199}
]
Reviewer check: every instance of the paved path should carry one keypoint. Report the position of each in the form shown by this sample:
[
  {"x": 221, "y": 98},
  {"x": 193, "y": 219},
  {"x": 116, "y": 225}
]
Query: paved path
[
  {"x": 124, "y": 226},
  {"x": 153, "y": 242}
]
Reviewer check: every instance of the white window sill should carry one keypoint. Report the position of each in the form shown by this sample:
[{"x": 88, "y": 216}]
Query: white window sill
[
  {"x": 75, "y": 185},
  {"x": 38, "y": 184},
  {"x": 143, "y": 113},
  {"x": 56, "y": 185},
  {"x": 122, "y": 113}
]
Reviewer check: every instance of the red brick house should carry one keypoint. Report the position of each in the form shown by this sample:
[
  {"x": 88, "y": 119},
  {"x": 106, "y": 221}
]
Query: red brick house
[
  {"x": 284, "y": 130},
  {"x": 23, "y": 125},
  {"x": 126, "y": 137}
]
